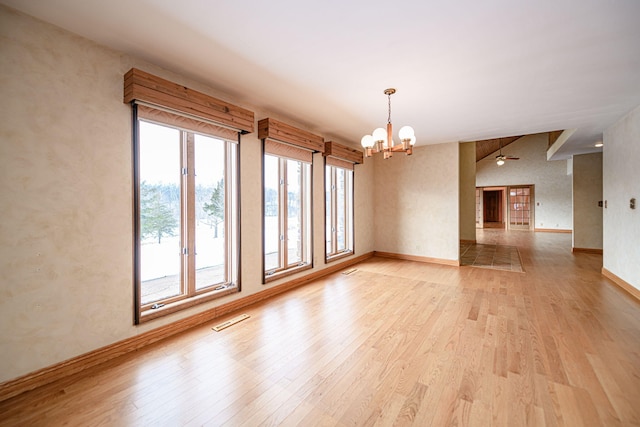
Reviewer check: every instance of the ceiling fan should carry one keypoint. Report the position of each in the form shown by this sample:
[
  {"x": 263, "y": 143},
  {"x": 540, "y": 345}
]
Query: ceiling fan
[{"x": 500, "y": 158}]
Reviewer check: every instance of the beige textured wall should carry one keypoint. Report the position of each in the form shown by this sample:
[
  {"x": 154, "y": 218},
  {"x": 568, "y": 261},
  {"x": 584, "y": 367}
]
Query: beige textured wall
[
  {"x": 416, "y": 202},
  {"x": 552, "y": 183},
  {"x": 467, "y": 191},
  {"x": 364, "y": 194},
  {"x": 587, "y": 192},
  {"x": 621, "y": 182},
  {"x": 65, "y": 198}
]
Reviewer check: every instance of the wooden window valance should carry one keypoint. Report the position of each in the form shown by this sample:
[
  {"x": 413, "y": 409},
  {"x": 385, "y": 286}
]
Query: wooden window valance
[
  {"x": 282, "y": 132},
  {"x": 146, "y": 88},
  {"x": 341, "y": 156}
]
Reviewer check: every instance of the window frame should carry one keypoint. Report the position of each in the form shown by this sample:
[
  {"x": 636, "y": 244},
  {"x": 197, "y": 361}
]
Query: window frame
[
  {"x": 189, "y": 294},
  {"x": 283, "y": 140},
  {"x": 285, "y": 268},
  {"x": 331, "y": 211}
]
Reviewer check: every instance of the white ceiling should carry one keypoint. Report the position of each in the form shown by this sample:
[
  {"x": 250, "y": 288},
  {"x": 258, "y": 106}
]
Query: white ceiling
[{"x": 464, "y": 70}]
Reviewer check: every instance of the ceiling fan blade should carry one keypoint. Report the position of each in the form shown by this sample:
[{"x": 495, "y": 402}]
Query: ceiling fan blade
[{"x": 512, "y": 158}]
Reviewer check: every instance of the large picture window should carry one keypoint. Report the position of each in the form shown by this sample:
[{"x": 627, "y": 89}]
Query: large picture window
[
  {"x": 288, "y": 156},
  {"x": 340, "y": 161},
  {"x": 287, "y": 215},
  {"x": 338, "y": 211},
  {"x": 185, "y": 194},
  {"x": 187, "y": 215}
]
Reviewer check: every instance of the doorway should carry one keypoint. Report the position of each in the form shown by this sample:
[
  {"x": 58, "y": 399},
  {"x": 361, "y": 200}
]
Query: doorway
[
  {"x": 492, "y": 208},
  {"x": 508, "y": 207}
]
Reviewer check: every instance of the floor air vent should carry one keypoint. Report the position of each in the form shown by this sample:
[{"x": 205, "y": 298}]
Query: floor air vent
[{"x": 230, "y": 322}]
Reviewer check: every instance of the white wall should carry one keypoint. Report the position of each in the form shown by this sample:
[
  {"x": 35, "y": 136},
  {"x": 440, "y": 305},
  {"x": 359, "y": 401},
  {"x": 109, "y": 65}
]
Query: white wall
[
  {"x": 552, "y": 184},
  {"x": 587, "y": 192},
  {"x": 66, "y": 198},
  {"x": 621, "y": 182},
  {"x": 416, "y": 202}
]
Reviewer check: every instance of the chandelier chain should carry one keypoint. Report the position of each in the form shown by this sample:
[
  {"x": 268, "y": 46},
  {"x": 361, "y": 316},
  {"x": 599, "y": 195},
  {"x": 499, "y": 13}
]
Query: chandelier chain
[{"x": 389, "y": 119}]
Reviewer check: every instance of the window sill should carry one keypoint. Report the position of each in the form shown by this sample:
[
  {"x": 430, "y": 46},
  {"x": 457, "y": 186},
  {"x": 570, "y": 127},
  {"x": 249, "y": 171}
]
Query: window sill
[
  {"x": 185, "y": 303},
  {"x": 280, "y": 274},
  {"x": 338, "y": 256}
]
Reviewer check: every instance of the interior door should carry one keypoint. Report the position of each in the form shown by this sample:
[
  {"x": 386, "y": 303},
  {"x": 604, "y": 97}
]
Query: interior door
[
  {"x": 492, "y": 206},
  {"x": 479, "y": 208},
  {"x": 520, "y": 208}
]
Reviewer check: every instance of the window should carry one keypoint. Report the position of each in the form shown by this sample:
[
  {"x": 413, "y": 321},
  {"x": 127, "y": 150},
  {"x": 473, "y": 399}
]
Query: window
[
  {"x": 187, "y": 221},
  {"x": 287, "y": 215},
  {"x": 185, "y": 194},
  {"x": 340, "y": 161},
  {"x": 288, "y": 155},
  {"x": 338, "y": 211}
]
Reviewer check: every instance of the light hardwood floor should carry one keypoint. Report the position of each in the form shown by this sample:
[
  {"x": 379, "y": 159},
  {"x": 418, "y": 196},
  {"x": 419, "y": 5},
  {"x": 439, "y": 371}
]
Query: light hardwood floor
[{"x": 393, "y": 343}]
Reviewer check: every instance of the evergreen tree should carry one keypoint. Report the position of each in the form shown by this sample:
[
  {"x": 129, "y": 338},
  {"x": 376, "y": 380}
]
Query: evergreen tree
[
  {"x": 215, "y": 207},
  {"x": 270, "y": 202},
  {"x": 156, "y": 217}
]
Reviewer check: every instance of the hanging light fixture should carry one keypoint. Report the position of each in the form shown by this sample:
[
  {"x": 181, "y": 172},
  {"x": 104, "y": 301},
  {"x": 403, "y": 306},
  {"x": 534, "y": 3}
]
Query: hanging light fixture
[
  {"x": 500, "y": 158},
  {"x": 381, "y": 140}
]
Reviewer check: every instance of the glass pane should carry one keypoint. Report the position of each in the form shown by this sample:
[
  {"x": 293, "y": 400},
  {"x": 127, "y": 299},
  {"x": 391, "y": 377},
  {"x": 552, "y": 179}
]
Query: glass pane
[
  {"x": 520, "y": 205},
  {"x": 477, "y": 206},
  {"x": 209, "y": 156},
  {"x": 327, "y": 204},
  {"x": 294, "y": 212},
  {"x": 341, "y": 218},
  {"x": 271, "y": 213},
  {"x": 525, "y": 207},
  {"x": 159, "y": 212}
]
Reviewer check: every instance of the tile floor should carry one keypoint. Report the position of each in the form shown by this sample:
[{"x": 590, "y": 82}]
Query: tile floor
[{"x": 497, "y": 257}]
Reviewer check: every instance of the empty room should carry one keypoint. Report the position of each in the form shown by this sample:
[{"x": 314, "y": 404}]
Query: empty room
[{"x": 318, "y": 213}]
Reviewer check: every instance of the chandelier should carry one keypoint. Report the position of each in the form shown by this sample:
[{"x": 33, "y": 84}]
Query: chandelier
[{"x": 381, "y": 140}]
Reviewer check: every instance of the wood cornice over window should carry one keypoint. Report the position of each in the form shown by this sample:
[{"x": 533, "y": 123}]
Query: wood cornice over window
[
  {"x": 282, "y": 132},
  {"x": 341, "y": 156},
  {"x": 147, "y": 88}
]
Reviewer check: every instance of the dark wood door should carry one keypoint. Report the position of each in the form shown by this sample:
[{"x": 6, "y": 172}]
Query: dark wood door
[{"x": 492, "y": 206}]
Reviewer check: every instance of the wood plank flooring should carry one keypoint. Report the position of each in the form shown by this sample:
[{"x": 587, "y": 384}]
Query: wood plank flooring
[{"x": 392, "y": 343}]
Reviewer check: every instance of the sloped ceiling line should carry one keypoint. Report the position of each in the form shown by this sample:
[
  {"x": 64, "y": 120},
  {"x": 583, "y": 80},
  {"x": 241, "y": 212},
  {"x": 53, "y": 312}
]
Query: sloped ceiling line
[{"x": 488, "y": 146}]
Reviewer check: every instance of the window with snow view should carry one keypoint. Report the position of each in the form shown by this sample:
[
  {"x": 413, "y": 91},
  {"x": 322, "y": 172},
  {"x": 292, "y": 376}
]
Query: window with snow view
[{"x": 187, "y": 220}]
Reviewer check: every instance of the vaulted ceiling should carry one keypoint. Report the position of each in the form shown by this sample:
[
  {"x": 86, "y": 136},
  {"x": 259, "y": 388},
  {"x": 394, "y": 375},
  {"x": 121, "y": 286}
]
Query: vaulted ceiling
[
  {"x": 464, "y": 70},
  {"x": 489, "y": 146}
]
